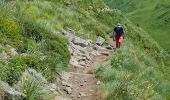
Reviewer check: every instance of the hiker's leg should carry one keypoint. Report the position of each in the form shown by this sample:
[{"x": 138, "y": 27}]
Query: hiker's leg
[
  {"x": 117, "y": 41},
  {"x": 120, "y": 44},
  {"x": 117, "y": 44},
  {"x": 120, "y": 41}
]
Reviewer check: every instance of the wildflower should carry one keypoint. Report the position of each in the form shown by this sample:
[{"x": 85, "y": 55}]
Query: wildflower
[{"x": 26, "y": 78}]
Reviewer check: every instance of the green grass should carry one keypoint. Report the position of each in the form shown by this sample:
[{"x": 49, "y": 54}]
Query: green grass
[
  {"x": 28, "y": 31},
  {"x": 152, "y": 15},
  {"x": 137, "y": 71},
  {"x": 34, "y": 88},
  {"x": 34, "y": 28},
  {"x": 134, "y": 74}
]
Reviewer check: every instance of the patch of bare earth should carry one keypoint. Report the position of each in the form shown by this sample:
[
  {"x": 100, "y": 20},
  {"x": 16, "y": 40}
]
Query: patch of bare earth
[{"x": 83, "y": 81}]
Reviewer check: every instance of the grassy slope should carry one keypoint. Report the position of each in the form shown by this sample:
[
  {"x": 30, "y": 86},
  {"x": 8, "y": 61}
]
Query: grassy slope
[
  {"x": 36, "y": 27},
  {"x": 27, "y": 28},
  {"x": 137, "y": 71},
  {"x": 152, "y": 15}
]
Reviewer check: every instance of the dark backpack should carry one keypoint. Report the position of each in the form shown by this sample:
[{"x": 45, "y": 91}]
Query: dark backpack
[{"x": 119, "y": 30}]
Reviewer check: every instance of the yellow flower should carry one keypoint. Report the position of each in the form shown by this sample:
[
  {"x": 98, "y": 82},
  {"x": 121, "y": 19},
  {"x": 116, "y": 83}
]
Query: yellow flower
[
  {"x": 26, "y": 78},
  {"x": 24, "y": 91}
]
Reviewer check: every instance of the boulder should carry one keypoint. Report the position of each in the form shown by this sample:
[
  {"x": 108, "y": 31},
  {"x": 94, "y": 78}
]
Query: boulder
[
  {"x": 80, "y": 42},
  {"x": 13, "y": 52},
  {"x": 9, "y": 92},
  {"x": 3, "y": 55},
  {"x": 100, "y": 41}
]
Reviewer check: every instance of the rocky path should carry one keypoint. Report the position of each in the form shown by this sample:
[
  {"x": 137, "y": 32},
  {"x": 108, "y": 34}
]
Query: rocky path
[
  {"x": 84, "y": 82},
  {"x": 80, "y": 83}
]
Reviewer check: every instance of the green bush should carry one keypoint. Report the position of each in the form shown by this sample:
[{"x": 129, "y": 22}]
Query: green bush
[
  {"x": 9, "y": 26},
  {"x": 34, "y": 88}
]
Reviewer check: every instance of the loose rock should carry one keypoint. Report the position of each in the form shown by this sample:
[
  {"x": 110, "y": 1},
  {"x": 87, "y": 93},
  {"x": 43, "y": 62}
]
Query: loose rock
[
  {"x": 10, "y": 92},
  {"x": 100, "y": 41},
  {"x": 105, "y": 53},
  {"x": 53, "y": 87},
  {"x": 82, "y": 94},
  {"x": 68, "y": 90},
  {"x": 81, "y": 85},
  {"x": 98, "y": 82},
  {"x": 67, "y": 84}
]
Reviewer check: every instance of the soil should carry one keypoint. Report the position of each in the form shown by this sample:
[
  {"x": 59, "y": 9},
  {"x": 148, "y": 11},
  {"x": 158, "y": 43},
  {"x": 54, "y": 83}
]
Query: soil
[{"x": 84, "y": 81}]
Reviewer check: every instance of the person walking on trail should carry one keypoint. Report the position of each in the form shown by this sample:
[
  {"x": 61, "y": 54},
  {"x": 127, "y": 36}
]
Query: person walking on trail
[{"x": 119, "y": 33}]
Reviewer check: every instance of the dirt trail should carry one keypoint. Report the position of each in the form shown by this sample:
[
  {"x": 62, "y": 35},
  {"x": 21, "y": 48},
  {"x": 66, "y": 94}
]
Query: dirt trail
[{"x": 84, "y": 83}]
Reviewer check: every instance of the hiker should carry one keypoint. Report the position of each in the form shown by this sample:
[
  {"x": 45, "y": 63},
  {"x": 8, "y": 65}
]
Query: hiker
[{"x": 118, "y": 29}]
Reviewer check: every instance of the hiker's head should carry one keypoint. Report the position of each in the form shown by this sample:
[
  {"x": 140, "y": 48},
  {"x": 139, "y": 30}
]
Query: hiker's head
[{"x": 118, "y": 24}]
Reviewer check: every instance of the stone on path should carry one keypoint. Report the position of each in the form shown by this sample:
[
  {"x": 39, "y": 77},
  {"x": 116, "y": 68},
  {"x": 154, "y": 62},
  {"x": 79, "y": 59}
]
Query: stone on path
[
  {"x": 67, "y": 84},
  {"x": 100, "y": 41},
  {"x": 105, "y": 53},
  {"x": 68, "y": 90}
]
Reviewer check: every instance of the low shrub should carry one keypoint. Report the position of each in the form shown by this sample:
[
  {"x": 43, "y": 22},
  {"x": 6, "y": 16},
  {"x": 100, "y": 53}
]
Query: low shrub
[{"x": 34, "y": 88}]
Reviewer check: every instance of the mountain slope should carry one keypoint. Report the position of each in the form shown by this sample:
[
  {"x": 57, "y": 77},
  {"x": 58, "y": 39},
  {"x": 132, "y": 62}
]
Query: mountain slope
[
  {"x": 152, "y": 15},
  {"x": 32, "y": 37}
]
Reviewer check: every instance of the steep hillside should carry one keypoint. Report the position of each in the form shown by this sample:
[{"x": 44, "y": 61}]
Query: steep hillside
[
  {"x": 152, "y": 15},
  {"x": 139, "y": 70},
  {"x": 31, "y": 37},
  {"x": 34, "y": 49}
]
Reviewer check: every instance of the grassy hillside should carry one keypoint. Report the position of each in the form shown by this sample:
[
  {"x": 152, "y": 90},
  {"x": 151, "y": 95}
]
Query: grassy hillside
[
  {"x": 31, "y": 37},
  {"x": 133, "y": 73},
  {"x": 140, "y": 70},
  {"x": 27, "y": 29},
  {"x": 152, "y": 15},
  {"x": 34, "y": 28}
]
